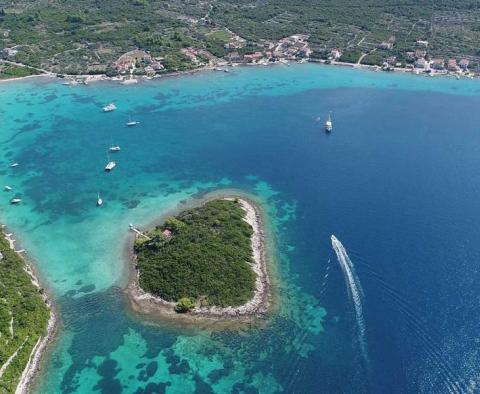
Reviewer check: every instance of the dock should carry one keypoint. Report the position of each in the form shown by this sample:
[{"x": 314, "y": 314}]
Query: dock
[{"x": 138, "y": 232}]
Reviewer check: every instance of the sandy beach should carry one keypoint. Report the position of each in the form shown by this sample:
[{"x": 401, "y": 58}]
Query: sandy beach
[
  {"x": 27, "y": 77},
  {"x": 147, "y": 304}
]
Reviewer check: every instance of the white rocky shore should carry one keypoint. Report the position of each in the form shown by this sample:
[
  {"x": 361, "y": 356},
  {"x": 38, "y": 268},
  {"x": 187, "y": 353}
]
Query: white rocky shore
[
  {"x": 33, "y": 365},
  {"x": 34, "y": 361},
  {"x": 146, "y": 303}
]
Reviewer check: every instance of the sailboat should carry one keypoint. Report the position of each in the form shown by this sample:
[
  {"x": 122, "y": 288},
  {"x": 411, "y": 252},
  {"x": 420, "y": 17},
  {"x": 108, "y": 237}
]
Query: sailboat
[
  {"x": 99, "y": 200},
  {"x": 329, "y": 124},
  {"x": 110, "y": 164}
]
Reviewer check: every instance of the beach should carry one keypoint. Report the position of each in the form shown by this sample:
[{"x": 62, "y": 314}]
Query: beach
[{"x": 145, "y": 303}]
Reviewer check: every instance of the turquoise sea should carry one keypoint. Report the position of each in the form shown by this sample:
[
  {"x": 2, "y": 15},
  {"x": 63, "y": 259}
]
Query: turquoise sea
[{"x": 392, "y": 309}]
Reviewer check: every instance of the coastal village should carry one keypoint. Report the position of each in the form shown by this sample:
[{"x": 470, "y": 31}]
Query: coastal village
[{"x": 295, "y": 48}]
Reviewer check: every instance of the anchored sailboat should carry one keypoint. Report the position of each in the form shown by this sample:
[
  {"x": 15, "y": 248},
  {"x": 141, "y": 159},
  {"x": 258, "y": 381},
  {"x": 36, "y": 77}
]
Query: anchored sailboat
[{"x": 329, "y": 124}]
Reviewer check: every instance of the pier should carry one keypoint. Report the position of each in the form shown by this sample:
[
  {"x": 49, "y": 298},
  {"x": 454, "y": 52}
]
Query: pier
[{"x": 138, "y": 232}]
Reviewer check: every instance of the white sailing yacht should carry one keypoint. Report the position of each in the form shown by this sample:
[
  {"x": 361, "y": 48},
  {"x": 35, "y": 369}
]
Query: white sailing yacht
[
  {"x": 329, "y": 124},
  {"x": 99, "y": 200}
]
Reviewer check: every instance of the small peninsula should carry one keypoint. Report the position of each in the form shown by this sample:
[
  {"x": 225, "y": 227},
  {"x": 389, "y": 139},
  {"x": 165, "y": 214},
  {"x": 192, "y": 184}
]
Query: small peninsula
[
  {"x": 208, "y": 261},
  {"x": 27, "y": 320}
]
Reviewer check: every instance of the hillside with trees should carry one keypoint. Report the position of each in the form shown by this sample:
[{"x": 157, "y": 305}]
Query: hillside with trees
[{"x": 87, "y": 36}]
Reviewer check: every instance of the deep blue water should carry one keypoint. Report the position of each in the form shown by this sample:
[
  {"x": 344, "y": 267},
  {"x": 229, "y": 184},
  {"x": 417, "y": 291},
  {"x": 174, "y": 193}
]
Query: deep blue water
[{"x": 397, "y": 182}]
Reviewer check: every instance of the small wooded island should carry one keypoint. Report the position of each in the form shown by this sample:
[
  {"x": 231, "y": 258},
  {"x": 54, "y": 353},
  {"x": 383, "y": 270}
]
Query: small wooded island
[{"x": 208, "y": 261}]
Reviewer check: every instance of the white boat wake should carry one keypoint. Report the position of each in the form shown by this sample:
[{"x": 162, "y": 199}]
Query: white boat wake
[{"x": 354, "y": 290}]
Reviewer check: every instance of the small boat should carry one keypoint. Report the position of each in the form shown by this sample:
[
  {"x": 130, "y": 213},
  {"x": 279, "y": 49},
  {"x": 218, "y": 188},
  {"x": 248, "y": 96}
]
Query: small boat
[
  {"x": 129, "y": 81},
  {"x": 14, "y": 165},
  {"x": 109, "y": 107},
  {"x": 99, "y": 200},
  {"x": 114, "y": 148},
  {"x": 14, "y": 201},
  {"x": 329, "y": 124},
  {"x": 131, "y": 122},
  {"x": 110, "y": 166},
  {"x": 7, "y": 188}
]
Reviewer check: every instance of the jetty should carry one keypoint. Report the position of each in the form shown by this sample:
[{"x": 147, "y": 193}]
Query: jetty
[{"x": 138, "y": 232}]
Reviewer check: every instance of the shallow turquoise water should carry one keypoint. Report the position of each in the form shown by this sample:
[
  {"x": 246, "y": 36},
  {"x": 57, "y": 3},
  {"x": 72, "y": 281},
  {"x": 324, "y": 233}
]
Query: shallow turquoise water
[{"x": 392, "y": 159}]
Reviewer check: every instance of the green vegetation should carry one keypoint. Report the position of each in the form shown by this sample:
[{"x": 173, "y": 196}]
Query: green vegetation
[
  {"x": 452, "y": 28},
  {"x": 215, "y": 43},
  {"x": 8, "y": 71},
  {"x": 22, "y": 301},
  {"x": 184, "y": 305},
  {"x": 206, "y": 258},
  {"x": 86, "y": 36},
  {"x": 350, "y": 56}
]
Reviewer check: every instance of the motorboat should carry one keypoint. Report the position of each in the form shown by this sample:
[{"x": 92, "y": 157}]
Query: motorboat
[{"x": 109, "y": 107}]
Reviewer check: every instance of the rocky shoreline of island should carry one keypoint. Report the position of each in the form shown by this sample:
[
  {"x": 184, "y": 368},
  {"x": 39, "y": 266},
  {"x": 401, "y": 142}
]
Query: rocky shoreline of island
[
  {"x": 147, "y": 304},
  {"x": 34, "y": 363}
]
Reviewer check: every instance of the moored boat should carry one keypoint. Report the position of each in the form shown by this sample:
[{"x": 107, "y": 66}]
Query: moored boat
[
  {"x": 115, "y": 148},
  {"x": 110, "y": 166},
  {"x": 14, "y": 201},
  {"x": 14, "y": 164},
  {"x": 99, "y": 200},
  {"x": 109, "y": 107},
  {"x": 131, "y": 122},
  {"x": 329, "y": 124},
  {"x": 7, "y": 188}
]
